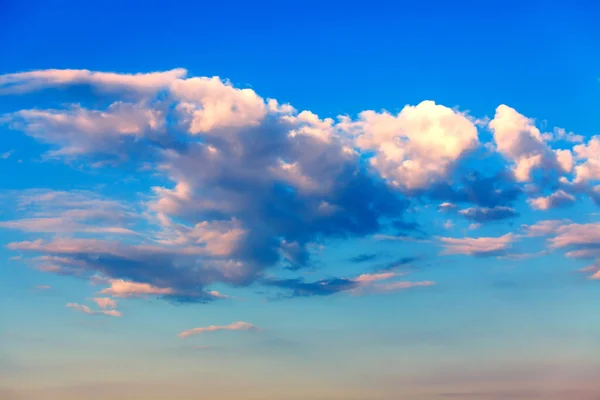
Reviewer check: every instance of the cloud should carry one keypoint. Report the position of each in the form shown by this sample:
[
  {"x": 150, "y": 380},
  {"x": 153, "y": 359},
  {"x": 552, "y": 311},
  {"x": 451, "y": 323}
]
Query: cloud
[
  {"x": 48, "y": 211},
  {"x": 446, "y": 207},
  {"x": 86, "y": 310},
  {"x": 580, "y": 240},
  {"x": 22, "y": 82},
  {"x": 562, "y": 134},
  {"x": 368, "y": 278},
  {"x": 480, "y": 247},
  {"x": 589, "y": 154},
  {"x": 208, "y": 105},
  {"x": 43, "y": 287},
  {"x": 369, "y": 283},
  {"x": 121, "y": 288},
  {"x": 243, "y": 184},
  {"x": 324, "y": 287},
  {"x": 6, "y": 155},
  {"x": 583, "y": 238},
  {"x": 485, "y": 214},
  {"x": 520, "y": 141},
  {"x": 544, "y": 228},
  {"x": 419, "y": 146},
  {"x": 135, "y": 270},
  {"x": 449, "y": 225},
  {"x": 236, "y": 326},
  {"x": 593, "y": 270},
  {"x": 114, "y": 133},
  {"x": 558, "y": 199},
  {"x": 105, "y": 302}
]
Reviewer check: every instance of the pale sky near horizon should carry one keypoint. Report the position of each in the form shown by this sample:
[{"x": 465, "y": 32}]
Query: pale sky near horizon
[{"x": 299, "y": 200}]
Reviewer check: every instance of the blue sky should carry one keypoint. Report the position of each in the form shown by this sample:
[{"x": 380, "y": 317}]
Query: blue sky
[{"x": 311, "y": 200}]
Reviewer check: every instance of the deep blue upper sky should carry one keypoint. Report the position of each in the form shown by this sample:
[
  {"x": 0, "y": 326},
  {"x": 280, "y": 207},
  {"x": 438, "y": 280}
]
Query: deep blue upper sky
[{"x": 335, "y": 57}]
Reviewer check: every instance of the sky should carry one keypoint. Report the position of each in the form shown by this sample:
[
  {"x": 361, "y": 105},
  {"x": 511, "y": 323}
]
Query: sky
[{"x": 299, "y": 200}]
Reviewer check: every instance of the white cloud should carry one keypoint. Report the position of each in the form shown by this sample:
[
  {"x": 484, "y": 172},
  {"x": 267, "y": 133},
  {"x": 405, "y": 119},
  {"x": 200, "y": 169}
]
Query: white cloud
[
  {"x": 589, "y": 169},
  {"x": 417, "y": 147},
  {"x": 520, "y": 141},
  {"x": 209, "y": 105}
]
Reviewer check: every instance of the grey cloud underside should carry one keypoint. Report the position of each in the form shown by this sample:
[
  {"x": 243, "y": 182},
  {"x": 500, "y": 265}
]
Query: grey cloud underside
[
  {"x": 400, "y": 262},
  {"x": 301, "y": 288}
]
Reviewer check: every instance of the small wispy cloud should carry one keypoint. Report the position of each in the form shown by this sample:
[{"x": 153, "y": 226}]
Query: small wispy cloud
[
  {"x": 6, "y": 155},
  {"x": 236, "y": 326},
  {"x": 86, "y": 310}
]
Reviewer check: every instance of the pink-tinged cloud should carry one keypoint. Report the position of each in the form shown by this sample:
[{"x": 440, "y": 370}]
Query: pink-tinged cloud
[
  {"x": 593, "y": 269},
  {"x": 370, "y": 283},
  {"x": 105, "y": 302},
  {"x": 86, "y": 310},
  {"x": 589, "y": 268},
  {"x": 43, "y": 287},
  {"x": 236, "y": 326},
  {"x": 417, "y": 147},
  {"x": 576, "y": 235},
  {"x": 557, "y": 199},
  {"x": 482, "y": 246},
  {"x": 544, "y": 228},
  {"x": 122, "y": 288},
  {"x": 217, "y": 295},
  {"x": 589, "y": 170},
  {"x": 521, "y": 142}
]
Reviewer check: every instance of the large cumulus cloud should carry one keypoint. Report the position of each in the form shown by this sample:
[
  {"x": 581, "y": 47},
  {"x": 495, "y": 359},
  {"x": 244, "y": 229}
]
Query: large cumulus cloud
[{"x": 249, "y": 183}]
